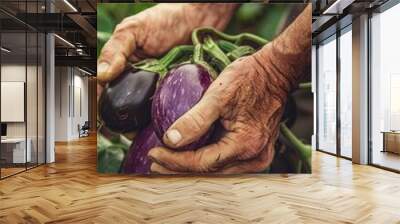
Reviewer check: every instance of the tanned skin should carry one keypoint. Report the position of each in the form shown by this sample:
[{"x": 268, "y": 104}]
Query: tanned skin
[
  {"x": 248, "y": 98},
  {"x": 156, "y": 30}
]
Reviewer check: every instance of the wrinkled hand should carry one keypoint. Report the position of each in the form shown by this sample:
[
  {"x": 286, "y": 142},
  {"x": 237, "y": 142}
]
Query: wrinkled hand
[
  {"x": 248, "y": 99},
  {"x": 156, "y": 30}
]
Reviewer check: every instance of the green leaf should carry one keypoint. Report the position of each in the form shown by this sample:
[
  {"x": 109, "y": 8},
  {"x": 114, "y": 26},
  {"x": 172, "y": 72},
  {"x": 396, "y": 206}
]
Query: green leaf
[
  {"x": 103, "y": 36},
  {"x": 110, "y": 160},
  {"x": 249, "y": 12},
  {"x": 271, "y": 22},
  {"x": 110, "y": 154},
  {"x": 104, "y": 21}
]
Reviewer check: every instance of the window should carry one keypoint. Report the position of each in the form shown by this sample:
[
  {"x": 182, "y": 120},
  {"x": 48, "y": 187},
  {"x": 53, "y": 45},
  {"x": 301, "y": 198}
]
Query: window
[
  {"x": 22, "y": 78},
  {"x": 327, "y": 95},
  {"x": 346, "y": 92},
  {"x": 385, "y": 89}
]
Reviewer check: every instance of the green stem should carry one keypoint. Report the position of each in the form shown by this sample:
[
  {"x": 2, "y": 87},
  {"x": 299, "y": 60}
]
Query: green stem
[
  {"x": 240, "y": 39},
  {"x": 233, "y": 51},
  {"x": 212, "y": 48},
  {"x": 226, "y": 46},
  {"x": 161, "y": 66},
  {"x": 240, "y": 52},
  {"x": 198, "y": 54},
  {"x": 303, "y": 149},
  {"x": 175, "y": 54},
  {"x": 306, "y": 85}
]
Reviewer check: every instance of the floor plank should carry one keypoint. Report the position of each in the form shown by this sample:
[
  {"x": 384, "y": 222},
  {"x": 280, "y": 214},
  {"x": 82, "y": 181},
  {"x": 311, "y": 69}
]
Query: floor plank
[{"x": 70, "y": 191}]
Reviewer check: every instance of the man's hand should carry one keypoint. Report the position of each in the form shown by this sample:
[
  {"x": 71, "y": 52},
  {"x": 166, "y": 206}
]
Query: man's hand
[
  {"x": 249, "y": 109},
  {"x": 154, "y": 31},
  {"x": 248, "y": 99}
]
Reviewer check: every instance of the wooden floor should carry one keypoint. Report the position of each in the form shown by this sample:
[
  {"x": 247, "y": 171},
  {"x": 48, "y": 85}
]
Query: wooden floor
[
  {"x": 11, "y": 170},
  {"x": 387, "y": 159},
  {"x": 70, "y": 191},
  {"x": 8, "y": 171}
]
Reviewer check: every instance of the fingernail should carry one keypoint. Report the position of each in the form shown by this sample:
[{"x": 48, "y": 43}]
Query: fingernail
[
  {"x": 102, "y": 67},
  {"x": 174, "y": 136}
]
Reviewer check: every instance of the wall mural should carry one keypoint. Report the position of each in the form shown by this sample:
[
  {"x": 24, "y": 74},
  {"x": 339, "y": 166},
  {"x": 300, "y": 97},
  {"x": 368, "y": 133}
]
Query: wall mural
[{"x": 204, "y": 88}]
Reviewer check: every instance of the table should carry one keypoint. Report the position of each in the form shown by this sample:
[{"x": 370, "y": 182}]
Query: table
[
  {"x": 16, "y": 147},
  {"x": 391, "y": 141}
]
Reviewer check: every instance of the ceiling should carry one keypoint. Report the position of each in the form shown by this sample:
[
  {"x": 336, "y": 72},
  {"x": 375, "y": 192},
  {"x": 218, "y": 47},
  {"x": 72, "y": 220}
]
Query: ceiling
[
  {"x": 74, "y": 22},
  {"x": 332, "y": 15}
]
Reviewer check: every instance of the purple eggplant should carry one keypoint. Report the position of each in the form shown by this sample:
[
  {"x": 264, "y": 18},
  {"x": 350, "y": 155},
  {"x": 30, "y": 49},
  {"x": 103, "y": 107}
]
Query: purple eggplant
[
  {"x": 136, "y": 160},
  {"x": 125, "y": 104},
  {"x": 177, "y": 93}
]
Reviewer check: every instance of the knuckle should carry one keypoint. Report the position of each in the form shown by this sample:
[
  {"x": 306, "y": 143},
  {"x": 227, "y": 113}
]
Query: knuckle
[
  {"x": 123, "y": 40},
  {"x": 128, "y": 25},
  {"x": 107, "y": 52},
  {"x": 203, "y": 164},
  {"x": 252, "y": 146},
  {"x": 194, "y": 120},
  {"x": 199, "y": 119},
  {"x": 204, "y": 168},
  {"x": 127, "y": 19},
  {"x": 265, "y": 159},
  {"x": 216, "y": 100},
  {"x": 194, "y": 163},
  {"x": 261, "y": 166},
  {"x": 121, "y": 27}
]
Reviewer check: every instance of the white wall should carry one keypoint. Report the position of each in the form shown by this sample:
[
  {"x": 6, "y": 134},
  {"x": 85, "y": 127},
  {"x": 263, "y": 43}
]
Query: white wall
[
  {"x": 80, "y": 102},
  {"x": 12, "y": 73},
  {"x": 61, "y": 103},
  {"x": 71, "y": 93},
  {"x": 16, "y": 73},
  {"x": 33, "y": 127}
]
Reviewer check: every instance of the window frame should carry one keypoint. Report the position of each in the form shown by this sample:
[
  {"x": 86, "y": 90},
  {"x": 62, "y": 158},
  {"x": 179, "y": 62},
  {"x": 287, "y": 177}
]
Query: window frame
[{"x": 336, "y": 35}]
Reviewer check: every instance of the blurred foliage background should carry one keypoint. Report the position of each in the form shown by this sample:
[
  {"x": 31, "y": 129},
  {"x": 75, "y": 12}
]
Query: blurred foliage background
[{"x": 265, "y": 20}]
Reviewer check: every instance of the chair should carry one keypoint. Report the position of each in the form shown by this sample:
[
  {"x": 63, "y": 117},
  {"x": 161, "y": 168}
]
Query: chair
[{"x": 84, "y": 130}]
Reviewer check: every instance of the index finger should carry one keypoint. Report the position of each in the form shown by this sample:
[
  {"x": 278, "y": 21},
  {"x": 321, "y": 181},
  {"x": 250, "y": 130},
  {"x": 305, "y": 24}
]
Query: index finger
[
  {"x": 207, "y": 159},
  {"x": 114, "y": 55}
]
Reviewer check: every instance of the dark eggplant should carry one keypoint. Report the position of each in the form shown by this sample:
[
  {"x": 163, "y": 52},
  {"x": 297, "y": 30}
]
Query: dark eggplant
[
  {"x": 177, "y": 93},
  {"x": 136, "y": 160},
  {"x": 125, "y": 104}
]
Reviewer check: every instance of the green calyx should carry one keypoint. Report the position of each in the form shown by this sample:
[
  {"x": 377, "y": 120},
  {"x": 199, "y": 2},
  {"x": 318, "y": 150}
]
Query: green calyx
[
  {"x": 212, "y": 49},
  {"x": 226, "y": 46},
  {"x": 240, "y": 52},
  {"x": 160, "y": 66},
  {"x": 223, "y": 48},
  {"x": 198, "y": 58},
  {"x": 241, "y": 39},
  {"x": 234, "y": 51}
]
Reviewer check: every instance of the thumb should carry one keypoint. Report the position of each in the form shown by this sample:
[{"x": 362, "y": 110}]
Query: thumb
[
  {"x": 113, "y": 57},
  {"x": 194, "y": 123}
]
